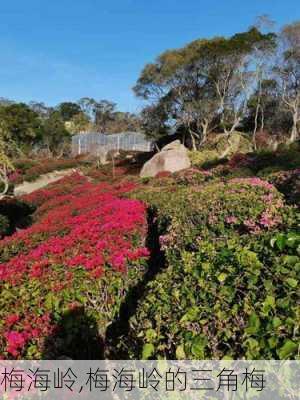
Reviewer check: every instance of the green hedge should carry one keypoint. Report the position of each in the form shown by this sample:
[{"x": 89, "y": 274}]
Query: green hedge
[{"x": 230, "y": 289}]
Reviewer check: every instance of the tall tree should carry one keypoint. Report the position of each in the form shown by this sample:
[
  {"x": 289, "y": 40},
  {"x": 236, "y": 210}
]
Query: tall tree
[
  {"x": 68, "y": 110},
  {"x": 87, "y": 105},
  {"x": 104, "y": 110},
  {"x": 79, "y": 123},
  {"x": 6, "y": 165},
  {"x": 204, "y": 81},
  {"x": 265, "y": 111},
  {"x": 23, "y": 124},
  {"x": 40, "y": 108},
  {"x": 100, "y": 112},
  {"x": 287, "y": 70},
  {"x": 154, "y": 121},
  {"x": 55, "y": 135}
]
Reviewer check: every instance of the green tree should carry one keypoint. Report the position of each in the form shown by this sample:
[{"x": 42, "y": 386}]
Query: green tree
[
  {"x": 154, "y": 120},
  {"x": 68, "y": 110},
  {"x": 87, "y": 105},
  {"x": 122, "y": 122},
  {"x": 79, "y": 123},
  {"x": 266, "y": 112},
  {"x": 23, "y": 124},
  {"x": 40, "y": 108},
  {"x": 204, "y": 81},
  {"x": 104, "y": 111},
  {"x": 101, "y": 113},
  {"x": 6, "y": 165},
  {"x": 287, "y": 70},
  {"x": 55, "y": 135}
]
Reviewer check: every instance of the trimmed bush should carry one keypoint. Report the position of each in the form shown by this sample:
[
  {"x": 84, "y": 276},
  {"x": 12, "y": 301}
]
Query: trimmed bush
[{"x": 230, "y": 287}]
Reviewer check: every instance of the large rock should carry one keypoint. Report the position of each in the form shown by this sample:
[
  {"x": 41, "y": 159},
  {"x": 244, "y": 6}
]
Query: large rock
[
  {"x": 173, "y": 157},
  {"x": 175, "y": 145}
]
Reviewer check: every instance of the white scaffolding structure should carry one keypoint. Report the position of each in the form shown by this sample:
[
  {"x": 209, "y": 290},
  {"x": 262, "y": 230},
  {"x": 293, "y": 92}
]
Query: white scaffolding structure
[{"x": 95, "y": 143}]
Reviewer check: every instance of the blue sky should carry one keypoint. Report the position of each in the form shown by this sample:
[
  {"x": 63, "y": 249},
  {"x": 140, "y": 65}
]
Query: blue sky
[{"x": 57, "y": 50}]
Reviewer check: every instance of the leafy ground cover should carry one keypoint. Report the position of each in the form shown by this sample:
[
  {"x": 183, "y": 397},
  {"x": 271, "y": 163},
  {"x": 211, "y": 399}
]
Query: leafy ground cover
[
  {"x": 222, "y": 280},
  {"x": 230, "y": 288},
  {"x": 70, "y": 270}
]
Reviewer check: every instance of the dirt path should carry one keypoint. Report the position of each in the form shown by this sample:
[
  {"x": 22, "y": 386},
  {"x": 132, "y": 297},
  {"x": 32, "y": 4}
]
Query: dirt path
[{"x": 43, "y": 180}]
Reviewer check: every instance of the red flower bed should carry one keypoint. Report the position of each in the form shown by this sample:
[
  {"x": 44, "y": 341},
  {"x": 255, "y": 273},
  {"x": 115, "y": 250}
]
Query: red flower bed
[{"x": 83, "y": 232}]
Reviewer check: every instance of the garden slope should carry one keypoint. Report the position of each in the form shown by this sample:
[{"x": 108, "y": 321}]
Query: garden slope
[
  {"x": 64, "y": 278},
  {"x": 231, "y": 284},
  {"x": 227, "y": 286}
]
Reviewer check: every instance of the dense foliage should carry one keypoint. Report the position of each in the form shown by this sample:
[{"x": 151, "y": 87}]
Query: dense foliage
[
  {"x": 81, "y": 255},
  {"x": 14, "y": 213},
  {"x": 231, "y": 283},
  {"x": 249, "y": 81},
  {"x": 37, "y": 129}
]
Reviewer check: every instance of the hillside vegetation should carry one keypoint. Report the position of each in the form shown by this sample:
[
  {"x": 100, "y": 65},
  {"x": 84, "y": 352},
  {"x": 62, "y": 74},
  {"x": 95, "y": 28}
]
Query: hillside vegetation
[
  {"x": 200, "y": 264},
  {"x": 64, "y": 278},
  {"x": 222, "y": 279},
  {"x": 231, "y": 283}
]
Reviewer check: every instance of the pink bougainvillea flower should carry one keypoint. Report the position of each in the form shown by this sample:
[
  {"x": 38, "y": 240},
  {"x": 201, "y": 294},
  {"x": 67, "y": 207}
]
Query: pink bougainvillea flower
[{"x": 81, "y": 229}]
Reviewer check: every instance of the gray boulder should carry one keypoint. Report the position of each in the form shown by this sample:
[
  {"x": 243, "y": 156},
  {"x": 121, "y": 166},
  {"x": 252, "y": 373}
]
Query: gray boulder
[{"x": 173, "y": 157}]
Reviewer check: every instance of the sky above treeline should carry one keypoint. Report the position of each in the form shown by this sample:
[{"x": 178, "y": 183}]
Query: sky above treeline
[{"x": 59, "y": 50}]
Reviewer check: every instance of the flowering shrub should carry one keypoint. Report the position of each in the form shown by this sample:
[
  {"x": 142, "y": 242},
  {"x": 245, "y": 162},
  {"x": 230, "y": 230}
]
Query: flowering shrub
[
  {"x": 240, "y": 160},
  {"x": 287, "y": 182},
  {"x": 85, "y": 246},
  {"x": 28, "y": 170},
  {"x": 229, "y": 288},
  {"x": 216, "y": 208},
  {"x": 15, "y": 176},
  {"x": 192, "y": 176}
]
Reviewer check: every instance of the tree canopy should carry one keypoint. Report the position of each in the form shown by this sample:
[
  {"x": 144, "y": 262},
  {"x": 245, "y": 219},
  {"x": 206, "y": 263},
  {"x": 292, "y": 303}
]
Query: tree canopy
[{"x": 221, "y": 84}]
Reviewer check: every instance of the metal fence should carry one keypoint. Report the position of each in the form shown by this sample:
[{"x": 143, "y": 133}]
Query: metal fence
[{"x": 96, "y": 143}]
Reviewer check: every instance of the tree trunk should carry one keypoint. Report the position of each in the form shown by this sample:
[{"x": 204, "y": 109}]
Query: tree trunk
[
  {"x": 255, "y": 126},
  {"x": 156, "y": 147},
  {"x": 204, "y": 126},
  {"x": 262, "y": 127},
  {"x": 4, "y": 180},
  {"x": 193, "y": 141},
  {"x": 294, "y": 133},
  {"x": 193, "y": 134},
  {"x": 255, "y": 130},
  {"x": 235, "y": 125}
]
